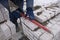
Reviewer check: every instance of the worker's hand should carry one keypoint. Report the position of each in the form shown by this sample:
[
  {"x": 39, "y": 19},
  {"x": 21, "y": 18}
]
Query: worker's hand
[{"x": 30, "y": 13}]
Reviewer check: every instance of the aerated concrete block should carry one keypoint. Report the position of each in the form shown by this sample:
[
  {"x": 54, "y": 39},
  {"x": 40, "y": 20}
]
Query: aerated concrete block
[
  {"x": 46, "y": 36},
  {"x": 4, "y": 14},
  {"x": 55, "y": 29},
  {"x": 11, "y": 26},
  {"x": 1, "y": 17},
  {"x": 31, "y": 34},
  {"x": 5, "y": 30},
  {"x": 28, "y": 23},
  {"x": 28, "y": 32}
]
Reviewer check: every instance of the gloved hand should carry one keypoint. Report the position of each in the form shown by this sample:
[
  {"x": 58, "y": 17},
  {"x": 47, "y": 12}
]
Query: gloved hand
[
  {"x": 15, "y": 15},
  {"x": 30, "y": 13}
]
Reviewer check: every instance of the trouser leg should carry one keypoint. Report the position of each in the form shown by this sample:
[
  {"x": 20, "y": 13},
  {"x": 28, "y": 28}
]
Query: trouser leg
[{"x": 29, "y": 4}]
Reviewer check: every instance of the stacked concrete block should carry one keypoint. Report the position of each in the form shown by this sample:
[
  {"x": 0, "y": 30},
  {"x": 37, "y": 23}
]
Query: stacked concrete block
[
  {"x": 30, "y": 29},
  {"x": 46, "y": 14},
  {"x": 54, "y": 26},
  {"x": 55, "y": 20},
  {"x": 8, "y": 29},
  {"x": 32, "y": 35},
  {"x": 2, "y": 36},
  {"x": 55, "y": 29},
  {"x": 1, "y": 17},
  {"x": 11, "y": 26},
  {"x": 29, "y": 32},
  {"x": 40, "y": 34},
  {"x": 57, "y": 37},
  {"x": 5, "y": 30},
  {"x": 4, "y": 14},
  {"x": 28, "y": 23},
  {"x": 46, "y": 36},
  {"x": 56, "y": 10}
]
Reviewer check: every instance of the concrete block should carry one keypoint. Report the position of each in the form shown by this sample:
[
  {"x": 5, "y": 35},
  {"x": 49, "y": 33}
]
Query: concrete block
[
  {"x": 1, "y": 33},
  {"x": 57, "y": 19},
  {"x": 46, "y": 14},
  {"x": 42, "y": 18},
  {"x": 51, "y": 14},
  {"x": 53, "y": 21},
  {"x": 29, "y": 33},
  {"x": 49, "y": 25},
  {"x": 28, "y": 23},
  {"x": 37, "y": 33},
  {"x": 55, "y": 29},
  {"x": 32, "y": 35},
  {"x": 41, "y": 34},
  {"x": 1, "y": 17},
  {"x": 2, "y": 36},
  {"x": 4, "y": 14},
  {"x": 11, "y": 26},
  {"x": 56, "y": 10},
  {"x": 5, "y": 30},
  {"x": 27, "y": 30},
  {"x": 46, "y": 36},
  {"x": 57, "y": 37}
]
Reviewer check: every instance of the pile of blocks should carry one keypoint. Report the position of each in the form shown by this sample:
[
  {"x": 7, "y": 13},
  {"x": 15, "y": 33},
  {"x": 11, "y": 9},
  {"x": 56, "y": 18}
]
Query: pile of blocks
[
  {"x": 7, "y": 28},
  {"x": 34, "y": 33},
  {"x": 4, "y": 14},
  {"x": 47, "y": 10},
  {"x": 43, "y": 14}
]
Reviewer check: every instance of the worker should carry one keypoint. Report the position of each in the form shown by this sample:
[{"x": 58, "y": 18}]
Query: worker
[
  {"x": 29, "y": 5},
  {"x": 16, "y": 14}
]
